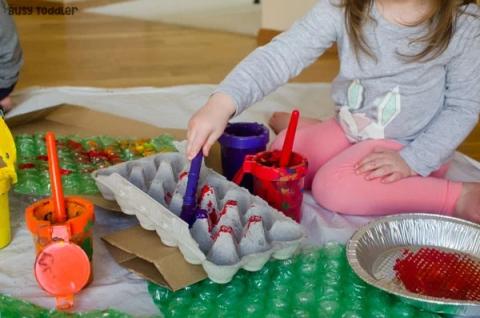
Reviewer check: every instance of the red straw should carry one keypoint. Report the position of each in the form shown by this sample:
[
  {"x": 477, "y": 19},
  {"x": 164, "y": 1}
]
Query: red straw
[
  {"x": 290, "y": 137},
  {"x": 55, "y": 179}
]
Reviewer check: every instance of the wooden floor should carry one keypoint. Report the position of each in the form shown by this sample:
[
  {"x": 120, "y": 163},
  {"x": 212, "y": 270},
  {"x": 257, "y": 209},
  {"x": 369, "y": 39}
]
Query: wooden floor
[{"x": 95, "y": 50}]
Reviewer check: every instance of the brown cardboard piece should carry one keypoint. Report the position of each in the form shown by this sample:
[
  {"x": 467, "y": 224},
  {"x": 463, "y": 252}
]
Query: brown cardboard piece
[
  {"x": 158, "y": 263},
  {"x": 77, "y": 120}
]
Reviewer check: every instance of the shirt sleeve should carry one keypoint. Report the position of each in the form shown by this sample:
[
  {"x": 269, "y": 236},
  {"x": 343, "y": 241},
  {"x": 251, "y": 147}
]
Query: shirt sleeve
[
  {"x": 11, "y": 58},
  {"x": 459, "y": 115},
  {"x": 271, "y": 66}
]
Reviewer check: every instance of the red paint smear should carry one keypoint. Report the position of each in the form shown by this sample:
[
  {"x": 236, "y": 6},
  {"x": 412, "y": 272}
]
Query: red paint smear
[
  {"x": 229, "y": 204},
  {"x": 25, "y": 166},
  {"x": 43, "y": 157},
  {"x": 223, "y": 229},
  {"x": 270, "y": 159},
  {"x": 439, "y": 274},
  {"x": 74, "y": 145},
  {"x": 205, "y": 190},
  {"x": 94, "y": 155},
  {"x": 253, "y": 219},
  {"x": 167, "y": 198},
  {"x": 65, "y": 172},
  {"x": 182, "y": 175},
  {"x": 212, "y": 213},
  {"x": 213, "y": 217}
]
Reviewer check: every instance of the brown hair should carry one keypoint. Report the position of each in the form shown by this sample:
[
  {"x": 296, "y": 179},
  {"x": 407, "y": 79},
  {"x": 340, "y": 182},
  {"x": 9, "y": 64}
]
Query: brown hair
[{"x": 441, "y": 25}]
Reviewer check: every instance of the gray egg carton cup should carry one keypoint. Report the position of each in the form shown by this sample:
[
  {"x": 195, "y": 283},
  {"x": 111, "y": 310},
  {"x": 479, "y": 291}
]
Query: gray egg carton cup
[{"x": 152, "y": 189}]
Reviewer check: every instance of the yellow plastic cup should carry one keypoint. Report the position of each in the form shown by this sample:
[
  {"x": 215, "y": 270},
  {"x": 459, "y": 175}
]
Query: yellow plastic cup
[
  {"x": 8, "y": 176},
  {"x": 4, "y": 213}
]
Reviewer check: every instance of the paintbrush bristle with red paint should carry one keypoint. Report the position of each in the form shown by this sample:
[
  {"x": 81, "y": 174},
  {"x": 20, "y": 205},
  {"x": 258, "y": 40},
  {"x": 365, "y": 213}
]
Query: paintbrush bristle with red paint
[
  {"x": 59, "y": 215},
  {"x": 289, "y": 139}
]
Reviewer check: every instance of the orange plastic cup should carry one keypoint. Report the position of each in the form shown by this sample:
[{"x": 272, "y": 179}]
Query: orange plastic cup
[{"x": 64, "y": 251}]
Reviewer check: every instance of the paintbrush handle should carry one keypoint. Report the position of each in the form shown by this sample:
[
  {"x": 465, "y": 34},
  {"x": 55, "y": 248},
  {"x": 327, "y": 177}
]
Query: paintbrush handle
[
  {"x": 193, "y": 176},
  {"x": 289, "y": 138},
  {"x": 189, "y": 204},
  {"x": 55, "y": 179}
]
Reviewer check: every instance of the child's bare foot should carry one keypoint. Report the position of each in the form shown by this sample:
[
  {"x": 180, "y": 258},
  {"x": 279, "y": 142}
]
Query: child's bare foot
[
  {"x": 279, "y": 121},
  {"x": 468, "y": 205}
]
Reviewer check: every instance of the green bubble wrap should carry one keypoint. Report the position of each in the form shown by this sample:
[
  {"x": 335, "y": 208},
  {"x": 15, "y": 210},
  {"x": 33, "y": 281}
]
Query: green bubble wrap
[
  {"x": 314, "y": 284},
  {"x": 78, "y": 158},
  {"x": 13, "y": 308}
]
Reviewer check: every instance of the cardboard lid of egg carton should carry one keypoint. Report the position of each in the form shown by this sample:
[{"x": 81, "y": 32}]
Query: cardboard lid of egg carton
[
  {"x": 160, "y": 264},
  {"x": 77, "y": 120}
]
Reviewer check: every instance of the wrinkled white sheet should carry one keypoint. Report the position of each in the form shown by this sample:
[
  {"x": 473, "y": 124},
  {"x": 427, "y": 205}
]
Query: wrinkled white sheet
[
  {"x": 238, "y": 16},
  {"x": 113, "y": 286}
]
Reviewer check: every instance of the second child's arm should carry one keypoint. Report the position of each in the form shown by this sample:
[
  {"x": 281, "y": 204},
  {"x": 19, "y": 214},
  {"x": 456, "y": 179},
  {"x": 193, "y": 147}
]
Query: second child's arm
[
  {"x": 263, "y": 71},
  {"x": 10, "y": 56}
]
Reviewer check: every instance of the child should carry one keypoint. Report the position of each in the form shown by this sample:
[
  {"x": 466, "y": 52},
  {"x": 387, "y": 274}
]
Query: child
[
  {"x": 10, "y": 56},
  {"x": 408, "y": 93}
]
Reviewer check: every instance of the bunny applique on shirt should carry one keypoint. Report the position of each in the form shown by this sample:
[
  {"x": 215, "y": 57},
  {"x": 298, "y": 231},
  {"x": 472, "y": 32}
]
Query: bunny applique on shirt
[{"x": 357, "y": 125}]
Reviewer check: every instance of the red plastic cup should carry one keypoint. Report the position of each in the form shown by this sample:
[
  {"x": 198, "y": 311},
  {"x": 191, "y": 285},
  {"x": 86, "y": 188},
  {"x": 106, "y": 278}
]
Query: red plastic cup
[{"x": 281, "y": 187}]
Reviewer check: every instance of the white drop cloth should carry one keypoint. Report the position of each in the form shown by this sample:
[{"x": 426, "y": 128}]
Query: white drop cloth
[
  {"x": 238, "y": 16},
  {"x": 113, "y": 286}
]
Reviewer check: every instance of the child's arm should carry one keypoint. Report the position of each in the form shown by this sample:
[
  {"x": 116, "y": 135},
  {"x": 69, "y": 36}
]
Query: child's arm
[
  {"x": 264, "y": 70},
  {"x": 271, "y": 66},
  {"x": 10, "y": 56},
  {"x": 460, "y": 113}
]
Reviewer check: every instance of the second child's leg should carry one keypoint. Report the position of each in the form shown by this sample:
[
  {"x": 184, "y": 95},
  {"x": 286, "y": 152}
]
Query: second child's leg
[{"x": 338, "y": 188}]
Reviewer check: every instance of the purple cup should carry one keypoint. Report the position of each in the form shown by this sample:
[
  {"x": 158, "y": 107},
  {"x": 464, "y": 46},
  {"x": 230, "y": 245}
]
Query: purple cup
[{"x": 237, "y": 141}]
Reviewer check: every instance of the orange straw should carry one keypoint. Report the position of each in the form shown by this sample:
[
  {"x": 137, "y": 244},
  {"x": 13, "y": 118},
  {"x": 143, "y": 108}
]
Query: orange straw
[
  {"x": 59, "y": 215},
  {"x": 289, "y": 138}
]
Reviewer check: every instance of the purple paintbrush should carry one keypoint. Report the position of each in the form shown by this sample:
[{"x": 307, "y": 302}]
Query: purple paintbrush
[{"x": 189, "y": 206}]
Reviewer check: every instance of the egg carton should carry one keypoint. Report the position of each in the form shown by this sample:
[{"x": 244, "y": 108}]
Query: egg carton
[{"x": 233, "y": 229}]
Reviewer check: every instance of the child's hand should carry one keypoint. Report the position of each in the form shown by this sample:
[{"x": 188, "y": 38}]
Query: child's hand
[
  {"x": 6, "y": 103},
  {"x": 208, "y": 124},
  {"x": 384, "y": 163}
]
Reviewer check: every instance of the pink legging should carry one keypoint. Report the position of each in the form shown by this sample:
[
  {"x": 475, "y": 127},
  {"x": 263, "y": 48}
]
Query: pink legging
[{"x": 335, "y": 185}]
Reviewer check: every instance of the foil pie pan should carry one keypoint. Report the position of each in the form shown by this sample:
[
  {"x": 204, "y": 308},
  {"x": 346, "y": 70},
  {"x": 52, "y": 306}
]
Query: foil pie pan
[{"x": 373, "y": 250}]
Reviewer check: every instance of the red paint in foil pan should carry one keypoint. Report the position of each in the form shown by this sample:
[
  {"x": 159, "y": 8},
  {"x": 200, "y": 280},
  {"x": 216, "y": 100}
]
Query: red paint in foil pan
[{"x": 435, "y": 273}]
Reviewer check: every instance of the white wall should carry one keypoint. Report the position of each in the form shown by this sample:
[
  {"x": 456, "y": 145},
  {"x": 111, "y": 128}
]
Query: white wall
[{"x": 280, "y": 14}]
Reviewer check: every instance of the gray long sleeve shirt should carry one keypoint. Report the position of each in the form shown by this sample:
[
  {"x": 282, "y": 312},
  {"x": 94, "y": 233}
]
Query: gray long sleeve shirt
[
  {"x": 10, "y": 51},
  {"x": 429, "y": 106}
]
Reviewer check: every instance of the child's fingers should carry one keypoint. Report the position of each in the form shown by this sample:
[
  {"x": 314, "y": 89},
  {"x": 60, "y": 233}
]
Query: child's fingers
[
  {"x": 209, "y": 143},
  {"x": 190, "y": 138},
  {"x": 367, "y": 159},
  {"x": 198, "y": 140},
  {"x": 392, "y": 178},
  {"x": 371, "y": 165},
  {"x": 380, "y": 172}
]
